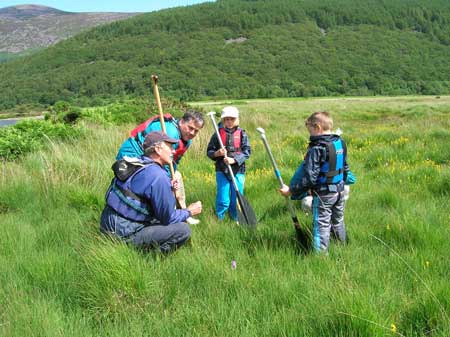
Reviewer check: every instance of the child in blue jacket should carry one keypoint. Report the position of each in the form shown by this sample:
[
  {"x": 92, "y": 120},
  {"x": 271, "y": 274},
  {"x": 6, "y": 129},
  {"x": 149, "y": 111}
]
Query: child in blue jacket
[
  {"x": 237, "y": 151},
  {"x": 324, "y": 172}
]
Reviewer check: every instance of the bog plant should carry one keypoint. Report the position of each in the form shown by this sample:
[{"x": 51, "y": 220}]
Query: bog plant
[
  {"x": 31, "y": 135},
  {"x": 131, "y": 111}
]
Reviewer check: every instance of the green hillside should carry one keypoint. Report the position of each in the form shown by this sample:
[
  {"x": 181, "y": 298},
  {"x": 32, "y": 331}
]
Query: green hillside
[{"x": 246, "y": 49}]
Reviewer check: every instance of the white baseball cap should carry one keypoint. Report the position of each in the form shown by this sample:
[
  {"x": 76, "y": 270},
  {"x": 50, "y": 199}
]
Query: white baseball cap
[{"x": 230, "y": 111}]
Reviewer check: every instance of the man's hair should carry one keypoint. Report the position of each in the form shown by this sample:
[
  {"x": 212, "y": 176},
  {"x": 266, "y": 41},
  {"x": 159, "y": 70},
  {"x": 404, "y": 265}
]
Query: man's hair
[
  {"x": 322, "y": 118},
  {"x": 148, "y": 151},
  {"x": 192, "y": 114}
]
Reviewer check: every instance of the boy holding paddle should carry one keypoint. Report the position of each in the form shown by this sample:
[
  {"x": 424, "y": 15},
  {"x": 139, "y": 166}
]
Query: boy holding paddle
[{"x": 324, "y": 172}]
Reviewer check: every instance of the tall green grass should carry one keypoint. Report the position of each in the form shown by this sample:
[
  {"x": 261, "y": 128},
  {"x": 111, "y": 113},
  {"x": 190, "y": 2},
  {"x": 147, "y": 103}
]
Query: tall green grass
[{"x": 60, "y": 277}]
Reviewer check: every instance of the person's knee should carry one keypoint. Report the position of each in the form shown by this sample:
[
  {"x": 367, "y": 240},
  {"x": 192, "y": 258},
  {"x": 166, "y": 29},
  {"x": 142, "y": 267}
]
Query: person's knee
[
  {"x": 182, "y": 232},
  {"x": 186, "y": 231}
]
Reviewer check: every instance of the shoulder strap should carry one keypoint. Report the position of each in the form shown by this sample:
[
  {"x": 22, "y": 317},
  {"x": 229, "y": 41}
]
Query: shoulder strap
[
  {"x": 331, "y": 153},
  {"x": 344, "y": 146},
  {"x": 122, "y": 194}
]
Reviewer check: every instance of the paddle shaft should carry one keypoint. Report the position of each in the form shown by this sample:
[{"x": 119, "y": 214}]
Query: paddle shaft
[
  {"x": 161, "y": 115},
  {"x": 280, "y": 179}
]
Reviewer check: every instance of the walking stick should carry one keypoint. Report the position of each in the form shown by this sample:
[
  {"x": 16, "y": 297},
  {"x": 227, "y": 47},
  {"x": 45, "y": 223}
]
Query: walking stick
[
  {"x": 302, "y": 236},
  {"x": 246, "y": 215}
]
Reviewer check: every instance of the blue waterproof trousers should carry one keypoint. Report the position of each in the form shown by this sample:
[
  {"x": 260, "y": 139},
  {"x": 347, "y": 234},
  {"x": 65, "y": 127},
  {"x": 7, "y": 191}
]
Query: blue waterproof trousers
[{"x": 226, "y": 194}]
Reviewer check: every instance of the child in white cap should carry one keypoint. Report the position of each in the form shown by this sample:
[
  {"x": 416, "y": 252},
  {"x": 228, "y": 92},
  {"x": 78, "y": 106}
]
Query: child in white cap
[{"x": 237, "y": 151}]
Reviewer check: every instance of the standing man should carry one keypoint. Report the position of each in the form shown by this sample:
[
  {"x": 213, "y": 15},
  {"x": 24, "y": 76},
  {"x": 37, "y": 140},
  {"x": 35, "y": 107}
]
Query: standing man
[
  {"x": 140, "y": 205},
  {"x": 183, "y": 131}
]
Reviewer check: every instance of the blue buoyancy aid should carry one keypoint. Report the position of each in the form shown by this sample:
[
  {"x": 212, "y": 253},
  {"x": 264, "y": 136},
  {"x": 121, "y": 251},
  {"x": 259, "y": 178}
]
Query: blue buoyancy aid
[
  {"x": 120, "y": 198},
  {"x": 332, "y": 170}
]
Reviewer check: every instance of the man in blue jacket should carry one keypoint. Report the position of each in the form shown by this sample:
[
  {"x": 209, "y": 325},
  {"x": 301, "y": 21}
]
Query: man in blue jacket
[{"x": 140, "y": 204}]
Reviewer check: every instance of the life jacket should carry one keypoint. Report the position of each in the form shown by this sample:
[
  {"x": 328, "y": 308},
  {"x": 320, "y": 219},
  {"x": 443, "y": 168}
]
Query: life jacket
[
  {"x": 180, "y": 150},
  {"x": 120, "y": 197},
  {"x": 140, "y": 132},
  {"x": 232, "y": 145},
  {"x": 332, "y": 170}
]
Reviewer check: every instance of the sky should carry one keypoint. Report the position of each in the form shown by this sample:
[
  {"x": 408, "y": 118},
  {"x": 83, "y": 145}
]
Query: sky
[{"x": 104, "y": 5}]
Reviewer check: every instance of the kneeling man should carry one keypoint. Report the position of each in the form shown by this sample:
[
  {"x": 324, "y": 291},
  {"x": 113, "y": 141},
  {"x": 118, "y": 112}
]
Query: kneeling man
[{"x": 140, "y": 203}]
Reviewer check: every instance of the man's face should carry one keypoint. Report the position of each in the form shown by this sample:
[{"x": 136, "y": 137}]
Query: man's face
[
  {"x": 166, "y": 152},
  {"x": 189, "y": 129}
]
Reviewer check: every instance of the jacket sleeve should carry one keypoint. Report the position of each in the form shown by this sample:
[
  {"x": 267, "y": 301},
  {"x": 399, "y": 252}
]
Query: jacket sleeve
[
  {"x": 350, "y": 179},
  {"x": 246, "y": 150},
  {"x": 313, "y": 162},
  {"x": 295, "y": 186},
  {"x": 213, "y": 146},
  {"x": 162, "y": 201}
]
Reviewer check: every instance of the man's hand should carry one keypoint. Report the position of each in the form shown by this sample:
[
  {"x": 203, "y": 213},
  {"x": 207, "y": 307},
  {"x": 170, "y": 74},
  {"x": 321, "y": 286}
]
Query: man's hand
[
  {"x": 220, "y": 153},
  {"x": 175, "y": 184},
  {"x": 229, "y": 160},
  {"x": 285, "y": 191},
  {"x": 195, "y": 208}
]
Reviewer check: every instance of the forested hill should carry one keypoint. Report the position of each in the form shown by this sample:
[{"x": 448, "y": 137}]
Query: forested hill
[{"x": 245, "y": 49}]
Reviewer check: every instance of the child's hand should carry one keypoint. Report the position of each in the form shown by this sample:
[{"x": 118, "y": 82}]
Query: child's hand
[
  {"x": 220, "y": 153},
  {"x": 229, "y": 160},
  {"x": 285, "y": 191}
]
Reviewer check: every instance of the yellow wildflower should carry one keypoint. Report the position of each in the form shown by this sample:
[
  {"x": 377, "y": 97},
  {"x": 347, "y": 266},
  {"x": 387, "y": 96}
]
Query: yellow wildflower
[{"x": 393, "y": 328}]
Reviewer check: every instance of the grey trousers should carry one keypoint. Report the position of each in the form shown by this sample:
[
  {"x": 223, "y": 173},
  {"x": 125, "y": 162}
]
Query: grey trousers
[
  {"x": 164, "y": 238},
  {"x": 328, "y": 217}
]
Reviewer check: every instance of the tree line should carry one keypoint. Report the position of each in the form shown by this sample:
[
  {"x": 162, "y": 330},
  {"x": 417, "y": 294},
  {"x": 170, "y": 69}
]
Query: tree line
[{"x": 288, "y": 48}]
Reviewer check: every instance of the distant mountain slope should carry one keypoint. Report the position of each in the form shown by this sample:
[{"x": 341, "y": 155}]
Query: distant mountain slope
[
  {"x": 24, "y": 12},
  {"x": 27, "y": 27},
  {"x": 246, "y": 49}
]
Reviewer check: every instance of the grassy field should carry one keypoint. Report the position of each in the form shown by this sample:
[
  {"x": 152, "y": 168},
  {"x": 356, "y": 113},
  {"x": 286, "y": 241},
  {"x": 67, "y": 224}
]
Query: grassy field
[{"x": 60, "y": 277}]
